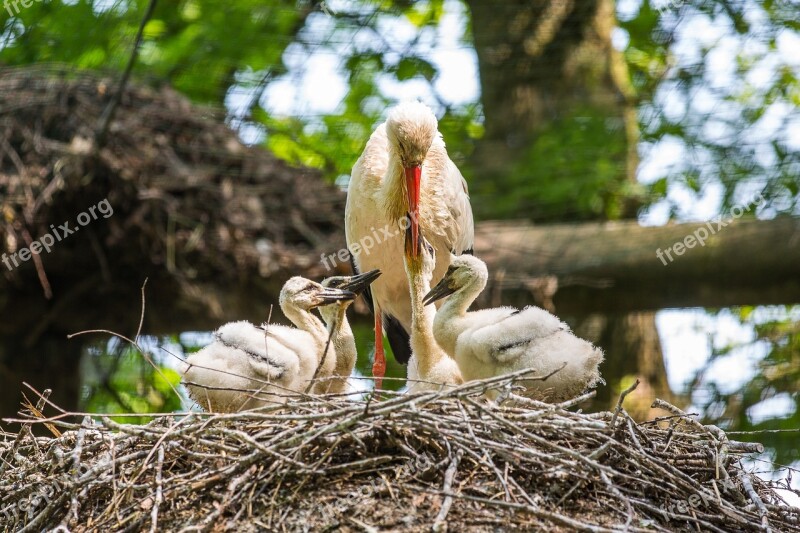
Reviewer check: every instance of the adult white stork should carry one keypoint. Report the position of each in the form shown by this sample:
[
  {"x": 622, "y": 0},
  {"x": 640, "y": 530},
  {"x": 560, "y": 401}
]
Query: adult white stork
[
  {"x": 404, "y": 170},
  {"x": 498, "y": 341}
]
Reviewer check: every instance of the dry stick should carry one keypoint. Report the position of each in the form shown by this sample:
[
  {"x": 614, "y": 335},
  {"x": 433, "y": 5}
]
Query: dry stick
[
  {"x": 159, "y": 496},
  {"x": 141, "y": 315},
  {"x": 72, "y": 515},
  {"x": 619, "y": 403},
  {"x": 108, "y": 112},
  {"x": 37, "y": 261},
  {"x": 614, "y": 490},
  {"x": 37, "y": 409},
  {"x": 488, "y": 457},
  {"x": 24, "y": 431},
  {"x": 266, "y": 333},
  {"x": 658, "y": 403},
  {"x": 575, "y": 525},
  {"x": 762, "y": 510},
  {"x": 440, "y": 524}
]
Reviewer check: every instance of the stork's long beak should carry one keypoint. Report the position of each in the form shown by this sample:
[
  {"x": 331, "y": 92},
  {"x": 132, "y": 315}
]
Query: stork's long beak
[
  {"x": 441, "y": 290},
  {"x": 413, "y": 177},
  {"x": 358, "y": 283},
  {"x": 412, "y": 247},
  {"x": 331, "y": 296}
]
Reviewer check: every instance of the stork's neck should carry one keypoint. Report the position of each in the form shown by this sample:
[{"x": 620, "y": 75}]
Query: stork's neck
[
  {"x": 344, "y": 342},
  {"x": 453, "y": 310},
  {"x": 423, "y": 344},
  {"x": 458, "y": 303},
  {"x": 306, "y": 321}
]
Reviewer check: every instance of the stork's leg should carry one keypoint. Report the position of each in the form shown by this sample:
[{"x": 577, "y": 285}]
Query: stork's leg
[{"x": 379, "y": 365}]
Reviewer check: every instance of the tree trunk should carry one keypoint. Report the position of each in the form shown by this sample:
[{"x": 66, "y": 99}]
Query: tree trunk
[
  {"x": 561, "y": 128},
  {"x": 615, "y": 267}
]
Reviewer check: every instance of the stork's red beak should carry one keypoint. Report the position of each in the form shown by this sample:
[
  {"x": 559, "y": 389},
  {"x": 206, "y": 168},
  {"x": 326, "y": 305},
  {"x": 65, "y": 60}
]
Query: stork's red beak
[{"x": 413, "y": 176}]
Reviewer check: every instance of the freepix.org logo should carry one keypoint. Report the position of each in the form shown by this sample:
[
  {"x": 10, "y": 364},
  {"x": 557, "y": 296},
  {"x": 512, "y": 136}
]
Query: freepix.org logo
[
  {"x": 26, "y": 506},
  {"x": 16, "y": 4},
  {"x": 57, "y": 234}
]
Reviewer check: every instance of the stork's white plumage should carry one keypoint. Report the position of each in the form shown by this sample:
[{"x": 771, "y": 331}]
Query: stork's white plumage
[
  {"x": 248, "y": 366},
  {"x": 404, "y": 169},
  {"x": 430, "y": 367},
  {"x": 498, "y": 341}
]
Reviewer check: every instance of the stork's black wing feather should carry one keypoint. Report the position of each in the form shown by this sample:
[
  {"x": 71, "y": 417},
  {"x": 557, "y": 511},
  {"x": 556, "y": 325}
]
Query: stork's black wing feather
[
  {"x": 399, "y": 339},
  {"x": 367, "y": 293}
]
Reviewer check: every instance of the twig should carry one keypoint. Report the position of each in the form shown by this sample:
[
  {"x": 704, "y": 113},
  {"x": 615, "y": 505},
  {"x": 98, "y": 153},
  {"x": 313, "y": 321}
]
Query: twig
[
  {"x": 159, "y": 496},
  {"x": 108, "y": 112},
  {"x": 440, "y": 523},
  {"x": 619, "y": 403},
  {"x": 762, "y": 510}
]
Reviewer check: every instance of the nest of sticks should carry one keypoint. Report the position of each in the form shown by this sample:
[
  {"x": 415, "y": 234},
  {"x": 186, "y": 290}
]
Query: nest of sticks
[
  {"x": 193, "y": 208},
  {"x": 399, "y": 462}
]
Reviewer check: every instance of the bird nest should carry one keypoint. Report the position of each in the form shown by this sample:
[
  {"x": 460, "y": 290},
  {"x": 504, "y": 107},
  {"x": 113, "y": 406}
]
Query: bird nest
[
  {"x": 399, "y": 462},
  {"x": 191, "y": 204}
]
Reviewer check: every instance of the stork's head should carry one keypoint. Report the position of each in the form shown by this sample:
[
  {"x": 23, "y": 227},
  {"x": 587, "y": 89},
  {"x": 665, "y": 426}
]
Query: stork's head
[
  {"x": 464, "y": 270},
  {"x": 306, "y": 294},
  {"x": 411, "y": 129},
  {"x": 355, "y": 284}
]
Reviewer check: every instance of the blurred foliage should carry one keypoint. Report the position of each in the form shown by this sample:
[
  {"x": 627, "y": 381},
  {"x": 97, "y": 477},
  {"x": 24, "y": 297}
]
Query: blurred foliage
[
  {"x": 717, "y": 79},
  {"x": 771, "y": 399},
  {"x": 713, "y": 81},
  {"x": 189, "y": 44},
  {"x": 116, "y": 378},
  {"x": 564, "y": 176}
]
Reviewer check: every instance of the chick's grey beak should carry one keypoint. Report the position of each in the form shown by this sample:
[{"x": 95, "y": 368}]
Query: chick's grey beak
[
  {"x": 441, "y": 290},
  {"x": 330, "y": 296},
  {"x": 359, "y": 283}
]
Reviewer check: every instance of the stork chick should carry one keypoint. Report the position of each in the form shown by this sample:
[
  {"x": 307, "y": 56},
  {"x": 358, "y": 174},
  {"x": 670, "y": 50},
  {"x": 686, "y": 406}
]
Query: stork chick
[
  {"x": 248, "y": 366},
  {"x": 430, "y": 367},
  {"x": 493, "y": 342},
  {"x": 344, "y": 344}
]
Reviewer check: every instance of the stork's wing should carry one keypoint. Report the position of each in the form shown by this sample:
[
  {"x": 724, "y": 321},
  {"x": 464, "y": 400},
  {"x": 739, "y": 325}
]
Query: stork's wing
[
  {"x": 461, "y": 234},
  {"x": 249, "y": 339}
]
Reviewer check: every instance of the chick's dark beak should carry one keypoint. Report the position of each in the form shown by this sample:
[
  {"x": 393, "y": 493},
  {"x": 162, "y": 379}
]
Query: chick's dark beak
[
  {"x": 330, "y": 296},
  {"x": 441, "y": 290},
  {"x": 360, "y": 282}
]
